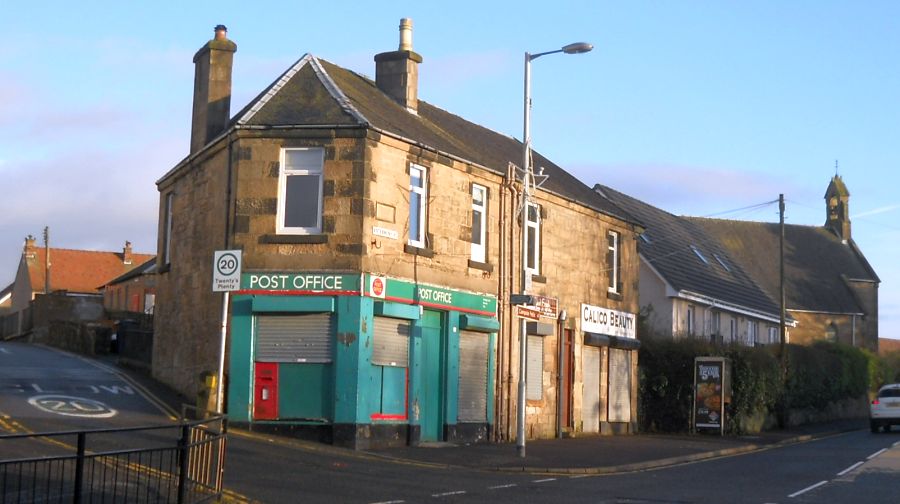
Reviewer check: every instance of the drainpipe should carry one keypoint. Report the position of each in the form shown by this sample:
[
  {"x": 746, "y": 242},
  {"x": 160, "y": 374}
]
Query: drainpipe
[
  {"x": 853, "y": 330},
  {"x": 559, "y": 372}
]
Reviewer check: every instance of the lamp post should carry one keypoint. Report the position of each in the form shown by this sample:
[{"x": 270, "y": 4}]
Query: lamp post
[{"x": 576, "y": 48}]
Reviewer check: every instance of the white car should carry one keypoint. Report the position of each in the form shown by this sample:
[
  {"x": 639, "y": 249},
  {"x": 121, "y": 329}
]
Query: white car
[{"x": 884, "y": 410}]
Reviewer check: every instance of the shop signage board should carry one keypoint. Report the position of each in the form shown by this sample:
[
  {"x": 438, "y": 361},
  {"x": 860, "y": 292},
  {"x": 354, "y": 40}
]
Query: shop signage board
[
  {"x": 300, "y": 282},
  {"x": 596, "y": 319},
  {"x": 547, "y": 306},
  {"x": 428, "y": 295},
  {"x": 710, "y": 393}
]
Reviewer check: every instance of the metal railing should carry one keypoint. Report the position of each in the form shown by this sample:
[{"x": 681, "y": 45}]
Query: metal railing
[{"x": 180, "y": 463}]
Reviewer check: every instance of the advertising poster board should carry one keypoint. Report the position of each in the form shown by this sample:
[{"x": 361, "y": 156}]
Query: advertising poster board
[{"x": 710, "y": 393}]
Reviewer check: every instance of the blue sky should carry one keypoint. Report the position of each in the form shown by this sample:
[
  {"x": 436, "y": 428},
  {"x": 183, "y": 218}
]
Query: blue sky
[{"x": 695, "y": 107}]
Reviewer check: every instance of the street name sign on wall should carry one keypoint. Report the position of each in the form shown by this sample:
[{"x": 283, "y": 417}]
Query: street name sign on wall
[{"x": 226, "y": 270}]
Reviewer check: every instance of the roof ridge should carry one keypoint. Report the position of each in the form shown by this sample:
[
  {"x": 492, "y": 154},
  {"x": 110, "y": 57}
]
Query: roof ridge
[
  {"x": 94, "y": 251},
  {"x": 336, "y": 92},
  {"x": 276, "y": 87}
]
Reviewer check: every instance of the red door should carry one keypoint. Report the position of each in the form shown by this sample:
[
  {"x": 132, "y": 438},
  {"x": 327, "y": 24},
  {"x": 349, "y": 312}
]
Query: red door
[{"x": 265, "y": 391}]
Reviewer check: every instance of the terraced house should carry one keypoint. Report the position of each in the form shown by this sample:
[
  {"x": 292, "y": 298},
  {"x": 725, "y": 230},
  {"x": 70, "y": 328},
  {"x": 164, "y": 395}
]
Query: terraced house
[{"x": 381, "y": 241}]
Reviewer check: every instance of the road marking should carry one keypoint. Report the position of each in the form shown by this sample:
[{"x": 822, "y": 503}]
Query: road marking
[
  {"x": 72, "y": 406},
  {"x": 580, "y": 476},
  {"x": 854, "y": 466},
  {"x": 447, "y": 494},
  {"x": 389, "y": 502},
  {"x": 879, "y": 452},
  {"x": 896, "y": 444},
  {"x": 498, "y": 487},
  {"x": 4, "y": 350},
  {"x": 807, "y": 489},
  {"x": 544, "y": 480}
]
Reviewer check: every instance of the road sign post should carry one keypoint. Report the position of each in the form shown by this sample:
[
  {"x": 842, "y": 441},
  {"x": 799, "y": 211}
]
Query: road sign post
[{"x": 226, "y": 278}]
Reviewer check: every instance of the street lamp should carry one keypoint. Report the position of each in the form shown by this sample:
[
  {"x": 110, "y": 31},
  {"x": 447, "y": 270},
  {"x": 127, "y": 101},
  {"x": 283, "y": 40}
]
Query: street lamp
[{"x": 576, "y": 48}]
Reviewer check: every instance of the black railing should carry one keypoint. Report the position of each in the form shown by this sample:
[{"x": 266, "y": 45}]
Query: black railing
[{"x": 180, "y": 463}]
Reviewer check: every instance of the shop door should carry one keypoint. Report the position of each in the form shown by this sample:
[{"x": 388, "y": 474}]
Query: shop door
[
  {"x": 431, "y": 416},
  {"x": 568, "y": 378},
  {"x": 619, "y": 385},
  {"x": 590, "y": 403}
]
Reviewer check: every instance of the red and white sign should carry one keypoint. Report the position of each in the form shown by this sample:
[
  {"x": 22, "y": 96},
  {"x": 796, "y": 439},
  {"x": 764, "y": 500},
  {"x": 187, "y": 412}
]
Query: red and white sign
[
  {"x": 528, "y": 313},
  {"x": 377, "y": 286}
]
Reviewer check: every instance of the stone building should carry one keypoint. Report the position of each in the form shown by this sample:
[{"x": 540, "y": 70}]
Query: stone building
[
  {"x": 691, "y": 286},
  {"x": 830, "y": 288},
  {"x": 380, "y": 243}
]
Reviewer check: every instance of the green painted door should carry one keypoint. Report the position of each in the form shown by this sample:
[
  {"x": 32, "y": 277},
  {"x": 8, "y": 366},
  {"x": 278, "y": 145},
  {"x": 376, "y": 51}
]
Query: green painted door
[{"x": 431, "y": 400}]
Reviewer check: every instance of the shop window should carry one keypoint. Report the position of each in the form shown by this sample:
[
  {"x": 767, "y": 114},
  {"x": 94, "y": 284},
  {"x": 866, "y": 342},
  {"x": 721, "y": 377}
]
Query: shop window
[
  {"x": 300, "y": 191},
  {"x": 479, "y": 223},
  {"x": 534, "y": 368},
  {"x": 418, "y": 205}
]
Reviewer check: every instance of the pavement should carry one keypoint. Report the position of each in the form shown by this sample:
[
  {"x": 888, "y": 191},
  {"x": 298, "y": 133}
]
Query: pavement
[{"x": 583, "y": 454}]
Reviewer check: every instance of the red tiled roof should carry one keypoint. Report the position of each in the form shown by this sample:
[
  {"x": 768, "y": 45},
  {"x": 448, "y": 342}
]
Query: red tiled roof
[
  {"x": 82, "y": 271},
  {"x": 888, "y": 345}
]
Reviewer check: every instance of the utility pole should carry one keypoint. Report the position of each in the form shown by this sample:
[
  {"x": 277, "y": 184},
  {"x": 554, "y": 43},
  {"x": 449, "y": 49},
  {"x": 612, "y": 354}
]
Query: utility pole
[
  {"x": 46, "y": 259},
  {"x": 783, "y": 328}
]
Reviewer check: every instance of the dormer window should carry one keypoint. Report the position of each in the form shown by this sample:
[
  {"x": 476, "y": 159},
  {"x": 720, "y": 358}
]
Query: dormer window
[
  {"x": 722, "y": 262},
  {"x": 700, "y": 255}
]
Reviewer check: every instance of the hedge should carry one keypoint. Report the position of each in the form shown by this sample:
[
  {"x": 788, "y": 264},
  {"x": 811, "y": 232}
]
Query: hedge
[{"x": 818, "y": 374}]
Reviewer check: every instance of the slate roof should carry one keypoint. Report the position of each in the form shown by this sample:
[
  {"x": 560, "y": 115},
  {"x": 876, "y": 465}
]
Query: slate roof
[
  {"x": 79, "y": 271},
  {"x": 814, "y": 260},
  {"x": 316, "y": 93},
  {"x": 670, "y": 249},
  {"x": 147, "y": 268}
]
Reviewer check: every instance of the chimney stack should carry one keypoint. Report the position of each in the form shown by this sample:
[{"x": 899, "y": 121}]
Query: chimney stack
[
  {"x": 397, "y": 72},
  {"x": 212, "y": 88},
  {"x": 126, "y": 253},
  {"x": 29, "y": 251}
]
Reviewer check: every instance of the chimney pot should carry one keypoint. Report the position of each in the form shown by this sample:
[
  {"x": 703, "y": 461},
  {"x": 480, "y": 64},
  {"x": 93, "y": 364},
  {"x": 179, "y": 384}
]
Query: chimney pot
[
  {"x": 406, "y": 34},
  {"x": 221, "y": 32}
]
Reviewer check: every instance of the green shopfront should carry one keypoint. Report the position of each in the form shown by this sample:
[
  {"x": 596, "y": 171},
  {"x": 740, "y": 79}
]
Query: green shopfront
[{"x": 361, "y": 360}]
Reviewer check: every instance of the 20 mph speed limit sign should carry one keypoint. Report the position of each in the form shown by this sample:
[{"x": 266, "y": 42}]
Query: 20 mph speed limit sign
[{"x": 226, "y": 270}]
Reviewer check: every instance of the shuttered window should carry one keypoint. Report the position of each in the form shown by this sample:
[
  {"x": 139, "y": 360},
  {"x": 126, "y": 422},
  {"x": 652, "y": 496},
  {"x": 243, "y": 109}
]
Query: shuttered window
[
  {"x": 390, "y": 342},
  {"x": 473, "y": 376},
  {"x": 295, "y": 338},
  {"x": 535, "y": 368},
  {"x": 619, "y": 385},
  {"x": 590, "y": 413}
]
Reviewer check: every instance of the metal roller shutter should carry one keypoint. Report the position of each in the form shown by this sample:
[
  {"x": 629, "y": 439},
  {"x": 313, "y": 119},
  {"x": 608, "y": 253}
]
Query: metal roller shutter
[
  {"x": 390, "y": 342},
  {"x": 294, "y": 338},
  {"x": 619, "y": 385},
  {"x": 590, "y": 404},
  {"x": 535, "y": 368},
  {"x": 473, "y": 376}
]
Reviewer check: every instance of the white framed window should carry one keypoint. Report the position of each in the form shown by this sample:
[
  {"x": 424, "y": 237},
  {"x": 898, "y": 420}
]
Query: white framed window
[
  {"x": 300, "y": 191},
  {"x": 716, "y": 324},
  {"x": 533, "y": 239},
  {"x": 167, "y": 236},
  {"x": 479, "y": 223},
  {"x": 752, "y": 332},
  {"x": 773, "y": 335},
  {"x": 690, "y": 321},
  {"x": 612, "y": 261},
  {"x": 722, "y": 262},
  {"x": 733, "y": 330},
  {"x": 418, "y": 205}
]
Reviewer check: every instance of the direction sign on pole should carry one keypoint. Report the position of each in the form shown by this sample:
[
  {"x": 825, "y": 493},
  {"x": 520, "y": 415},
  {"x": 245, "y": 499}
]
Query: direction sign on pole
[
  {"x": 528, "y": 313},
  {"x": 226, "y": 270}
]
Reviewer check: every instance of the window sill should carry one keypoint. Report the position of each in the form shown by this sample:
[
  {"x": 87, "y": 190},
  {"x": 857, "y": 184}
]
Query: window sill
[
  {"x": 481, "y": 266},
  {"x": 614, "y": 295},
  {"x": 293, "y": 239},
  {"x": 424, "y": 252},
  {"x": 541, "y": 279}
]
